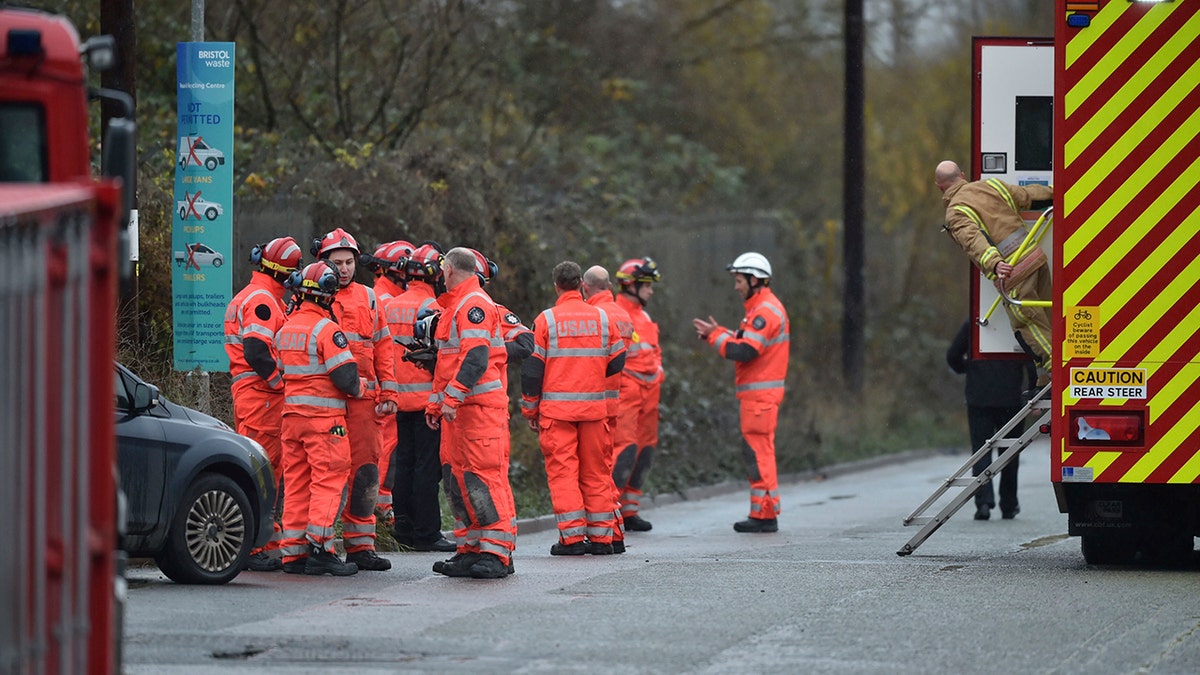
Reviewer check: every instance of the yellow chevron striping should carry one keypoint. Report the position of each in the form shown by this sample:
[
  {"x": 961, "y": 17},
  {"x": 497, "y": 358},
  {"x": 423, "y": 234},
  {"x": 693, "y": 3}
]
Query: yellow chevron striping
[
  {"x": 1166, "y": 299},
  {"x": 1132, "y": 94},
  {"x": 1083, "y": 40},
  {"x": 1189, "y": 472},
  {"x": 1090, "y": 227},
  {"x": 1170, "y": 443}
]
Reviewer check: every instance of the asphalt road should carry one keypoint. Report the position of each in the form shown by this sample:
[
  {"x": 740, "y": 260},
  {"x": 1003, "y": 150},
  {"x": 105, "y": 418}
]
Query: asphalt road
[{"x": 827, "y": 594}]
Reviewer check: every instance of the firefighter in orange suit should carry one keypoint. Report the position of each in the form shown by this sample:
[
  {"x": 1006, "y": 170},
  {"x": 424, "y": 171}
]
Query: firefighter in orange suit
[
  {"x": 416, "y": 467},
  {"x": 636, "y": 435},
  {"x": 984, "y": 219},
  {"x": 251, "y": 321},
  {"x": 518, "y": 345},
  {"x": 759, "y": 350},
  {"x": 564, "y": 396},
  {"x": 319, "y": 374},
  {"x": 356, "y": 309},
  {"x": 470, "y": 405},
  {"x": 387, "y": 264},
  {"x": 597, "y": 291}
]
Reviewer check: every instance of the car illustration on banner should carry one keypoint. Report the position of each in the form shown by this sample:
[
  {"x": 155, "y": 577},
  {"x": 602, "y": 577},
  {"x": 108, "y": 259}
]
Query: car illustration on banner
[
  {"x": 192, "y": 206},
  {"x": 195, "y": 151},
  {"x": 197, "y": 254}
]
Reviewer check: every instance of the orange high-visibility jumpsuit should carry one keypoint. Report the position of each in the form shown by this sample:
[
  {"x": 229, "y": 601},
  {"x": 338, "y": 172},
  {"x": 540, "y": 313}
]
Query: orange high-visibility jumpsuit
[
  {"x": 618, "y": 316},
  {"x": 319, "y": 374},
  {"x": 416, "y": 467},
  {"x": 385, "y": 290},
  {"x": 475, "y": 445},
  {"x": 637, "y": 425},
  {"x": 251, "y": 320},
  {"x": 759, "y": 349},
  {"x": 564, "y": 387},
  {"x": 358, "y": 314},
  {"x": 518, "y": 345}
]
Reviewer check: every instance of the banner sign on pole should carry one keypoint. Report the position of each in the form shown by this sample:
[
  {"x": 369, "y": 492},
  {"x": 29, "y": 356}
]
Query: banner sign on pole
[{"x": 202, "y": 235}]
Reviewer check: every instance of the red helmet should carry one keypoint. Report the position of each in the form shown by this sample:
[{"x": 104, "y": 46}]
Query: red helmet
[
  {"x": 336, "y": 239},
  {"x": 485, "y": 269},
  {"x": 425, "y": 262},
  {"x": 318, "y": 280},
  {"x": 279, "y": 256},
  {"x": 392, "y": 256},
  {"x": 638, "y": 270}
]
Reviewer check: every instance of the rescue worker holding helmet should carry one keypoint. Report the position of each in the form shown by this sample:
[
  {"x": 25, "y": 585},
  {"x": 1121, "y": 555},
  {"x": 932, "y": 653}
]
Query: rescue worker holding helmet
[
  {"x": 564, "y": 397},
  {"x": 356, "y": 309},
  {"x": 387, "y": 264},
  {"x": 319, "y": 374},
  {"x": 641, "y": 384},
  {"x": 252, "y": 319},
  {"x": 415, "y": 467},
  {"x": 470, "y": 405},
  {"x": 759, "y": 350}
]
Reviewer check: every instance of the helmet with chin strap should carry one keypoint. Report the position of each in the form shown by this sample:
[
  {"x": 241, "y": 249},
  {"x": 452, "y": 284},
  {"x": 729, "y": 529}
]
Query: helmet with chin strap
[
  {"x": 754, "y": 264},
  {"x": 278, "y": 257},
  {"x": 318, "y": 282},
  {"x": 638, "y": 270},
  {"x": 336, "y": 239}
]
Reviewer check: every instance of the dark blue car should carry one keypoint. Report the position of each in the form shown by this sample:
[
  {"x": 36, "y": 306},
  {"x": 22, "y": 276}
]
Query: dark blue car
[{"x": 198, "y": 495}]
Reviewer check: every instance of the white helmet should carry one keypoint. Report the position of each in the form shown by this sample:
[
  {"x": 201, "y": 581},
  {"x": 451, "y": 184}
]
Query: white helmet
[{"x": 754, "y": 264}]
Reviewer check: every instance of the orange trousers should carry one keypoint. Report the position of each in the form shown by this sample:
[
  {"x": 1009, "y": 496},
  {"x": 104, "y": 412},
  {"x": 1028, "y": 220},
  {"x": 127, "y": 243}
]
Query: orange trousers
[
  {"x": 259, "y": 415},
  {"x": 358, "y": 517},
  {"x": 475, "y": 450},
  {"x": 578, "y": 456},
  {"x": 634, "y": 439},
  {"x": 387, "y": 447},
  {"x": 758, "y": 422},
  {"x": 316, "y": 462}
]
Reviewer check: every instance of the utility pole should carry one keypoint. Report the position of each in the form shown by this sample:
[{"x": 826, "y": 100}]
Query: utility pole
[
  {"x": 197, "y": 20},
  {"x": 116, "y": 19},
  {"x": 853, "y": 175}
]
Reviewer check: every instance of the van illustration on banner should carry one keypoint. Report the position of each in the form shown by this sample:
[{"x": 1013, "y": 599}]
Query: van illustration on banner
[{"x": 194, "y": 151}]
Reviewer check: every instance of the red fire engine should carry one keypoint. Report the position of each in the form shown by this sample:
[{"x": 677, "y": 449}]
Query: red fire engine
[{"x": 59, "y": 265}]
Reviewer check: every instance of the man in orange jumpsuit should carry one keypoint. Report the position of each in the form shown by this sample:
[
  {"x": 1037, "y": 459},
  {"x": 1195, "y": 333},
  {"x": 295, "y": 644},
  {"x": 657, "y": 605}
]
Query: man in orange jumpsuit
[
  {"x": 597, "y": 291},
  {"x": 759, "y": 350},
  {"x": 387, "y": 264},
  {"x": 319, "y": 374},
  {"x": 470, "y": 405},
  {"x": 416, "y": 467},
  {"x": 251, "y": 321},
  {"x": 564, "y": 396},
  {"x": 641, "y": 385},
  {"x": 357, "y": 312}
]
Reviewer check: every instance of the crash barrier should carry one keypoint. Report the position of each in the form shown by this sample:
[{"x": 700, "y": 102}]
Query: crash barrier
[{"x": 57, "y": 460}]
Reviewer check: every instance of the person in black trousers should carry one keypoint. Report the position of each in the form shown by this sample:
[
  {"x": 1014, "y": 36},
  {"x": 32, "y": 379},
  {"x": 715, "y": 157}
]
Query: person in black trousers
[{"x": 993, "y": 391}]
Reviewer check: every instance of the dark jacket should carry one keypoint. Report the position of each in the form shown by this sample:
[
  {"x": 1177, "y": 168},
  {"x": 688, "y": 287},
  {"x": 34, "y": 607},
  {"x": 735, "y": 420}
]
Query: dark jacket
[{"x": 995, "y": 383}]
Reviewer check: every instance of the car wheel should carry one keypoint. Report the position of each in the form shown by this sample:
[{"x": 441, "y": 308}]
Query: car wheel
[
  {"x": 210, "y": 213},
  {"x": 183, "y": 213},
  {"x": 211, "y": 163},
  {"x": 217, "y": 262},
  {"x": 211, "y": 533}
]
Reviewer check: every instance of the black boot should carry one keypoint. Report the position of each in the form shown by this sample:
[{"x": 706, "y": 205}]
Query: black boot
[
  {"x": 490, "y": 566},
  {"x": 757, "y": 525},
  {"x": 368, "y": 559},
  {"x": 321, "y": 562},
  {"x": 458, "y": 565},
  {"x": 559, "y": 548},
  {"x": 635, "y": 523},
  {"x": 261, "y": 562},
  {"x": 598, "y": 548}
]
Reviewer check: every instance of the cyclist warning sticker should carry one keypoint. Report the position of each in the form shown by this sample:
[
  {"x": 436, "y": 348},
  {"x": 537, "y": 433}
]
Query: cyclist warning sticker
[
  {"x": 1108, "y": 383},
  {"x": 1083, "y": 332}
]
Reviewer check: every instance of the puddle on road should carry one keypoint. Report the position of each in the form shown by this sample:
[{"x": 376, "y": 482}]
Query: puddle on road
[{"x": 1044, "y": 541}]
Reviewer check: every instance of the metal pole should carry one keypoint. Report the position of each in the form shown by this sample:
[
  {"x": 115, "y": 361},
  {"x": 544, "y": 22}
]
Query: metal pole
[
  {"x": 197, "y": 20},
  {"x": 853, "y": 304}
]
